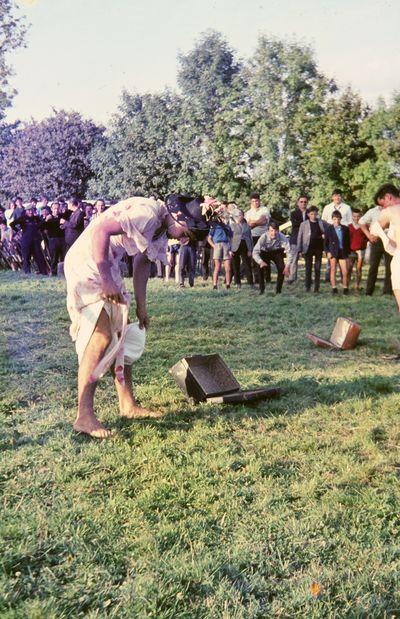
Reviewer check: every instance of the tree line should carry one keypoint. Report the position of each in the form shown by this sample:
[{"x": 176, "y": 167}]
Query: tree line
[{"x": 271, "y": 123}]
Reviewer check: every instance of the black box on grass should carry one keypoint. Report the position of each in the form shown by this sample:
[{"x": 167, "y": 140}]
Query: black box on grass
[{"x": 207, "y": 378}]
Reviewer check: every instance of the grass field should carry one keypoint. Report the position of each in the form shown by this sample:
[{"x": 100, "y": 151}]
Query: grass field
[{"x": 287, "y": 508}]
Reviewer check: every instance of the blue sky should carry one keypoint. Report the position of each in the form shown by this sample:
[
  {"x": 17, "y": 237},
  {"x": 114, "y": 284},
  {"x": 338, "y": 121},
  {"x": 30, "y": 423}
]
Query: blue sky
[{"x": 80, "y": 54}]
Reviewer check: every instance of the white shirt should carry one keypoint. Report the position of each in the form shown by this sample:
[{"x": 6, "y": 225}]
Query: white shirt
[
  {"x": 371, "y": 216},
  {"x": 344, "y": 210},
  {"x": 255, "y": 213}
]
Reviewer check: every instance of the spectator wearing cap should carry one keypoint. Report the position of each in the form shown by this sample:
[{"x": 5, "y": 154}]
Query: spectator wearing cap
[
  {"x": 297, "y": 217},
  {"x": 310, "y": 244},
  {"x": 271, "y": 247}
]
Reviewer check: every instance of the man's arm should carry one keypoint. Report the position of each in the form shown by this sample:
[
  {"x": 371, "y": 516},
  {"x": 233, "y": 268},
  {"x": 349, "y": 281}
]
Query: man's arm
[
  {"x": 100, "y": 249},
  {"x": 256, "y": 252},
  {"x": 141, "y": 273},
  {"x": 259, "y": 222}
]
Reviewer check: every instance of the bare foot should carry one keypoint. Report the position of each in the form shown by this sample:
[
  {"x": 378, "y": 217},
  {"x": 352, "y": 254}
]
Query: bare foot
[
  {"x": 89, "y": 424},
  {"x": 136, "y": 412}
]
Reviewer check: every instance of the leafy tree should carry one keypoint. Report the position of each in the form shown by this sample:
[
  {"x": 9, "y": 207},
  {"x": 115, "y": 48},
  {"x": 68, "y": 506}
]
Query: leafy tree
[
  {"x": 338, "y": 148},
  {"x": 50, "y": 157},
  {"x": 143, "y": 154},
  {"x": 12, "y": 32}
]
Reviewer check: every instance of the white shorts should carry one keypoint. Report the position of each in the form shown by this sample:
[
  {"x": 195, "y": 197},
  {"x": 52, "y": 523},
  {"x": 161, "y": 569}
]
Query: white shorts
[{"x": 395, "y": 270}]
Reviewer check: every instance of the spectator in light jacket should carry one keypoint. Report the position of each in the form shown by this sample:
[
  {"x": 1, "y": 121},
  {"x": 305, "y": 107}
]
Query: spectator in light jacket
[
  {"x": 241, "y": 247},
  {"x": 296, "y": 218},
  {"x": 310, "y": 244},
  {"x": 271, "y": 247}
]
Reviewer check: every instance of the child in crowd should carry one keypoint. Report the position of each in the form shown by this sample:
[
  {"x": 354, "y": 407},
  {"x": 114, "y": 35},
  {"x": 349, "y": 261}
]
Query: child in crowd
[
  {"x": 220, "y": 240},
  {"x": 337, "y": 247},
  {"x": 358, "y": 244}
]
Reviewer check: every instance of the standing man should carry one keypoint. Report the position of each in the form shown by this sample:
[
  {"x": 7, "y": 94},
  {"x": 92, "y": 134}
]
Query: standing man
[
  {"x": 358, "y": 245},
  {"x": 257, "y": 217},
  {"x": 297, "y": 217},
  {"x": 337, "y": 205},
  {"x": 74, "y": 225},
  {"x": 31, "y": 239},
  {"x": 389, "y": 196},
  {"x": 271, "y": 247},
  {"x": 55, "y": 236},
  {"x": 310, "y": 243},
  {"x": 337, "y": 246},
  {"x": 220, "y": 240},
  {"x": 242, "y": 248},
  {"x": 377, "y": 249}
]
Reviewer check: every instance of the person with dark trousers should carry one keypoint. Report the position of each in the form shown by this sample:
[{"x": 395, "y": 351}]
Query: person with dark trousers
[
  {"x": 187, "y": 261},
  {"x": 377, "y": 250},
  {"x": 206, "y": 259},
  {"x": 296, "y": 218},
  {"x": 271, "y": 247},
  {"x": 310, "y": 244},
  {"x": 258, "y": 217},
  {"x": 31, "y": 226},
  {"x": 73, "y": 226},
  {"x": 337, "y": 247},
  {"x": 242, "y": 248},
  {"x": 55, "y": 237}
]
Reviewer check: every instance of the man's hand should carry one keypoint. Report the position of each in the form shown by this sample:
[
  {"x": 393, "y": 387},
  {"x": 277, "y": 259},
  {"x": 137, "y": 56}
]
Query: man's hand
[
  {"x": 286, "y": 271},
  {"x": 62, "y": 221},
  {"x": 263, "y": 265},
  {"x": 111, "y": 291},
  {"x": 372, "y": 238},
  {"x": 329, "y": 255},
  {"x": 249, "y": 253},
  {"x": 143, "y": 317}
]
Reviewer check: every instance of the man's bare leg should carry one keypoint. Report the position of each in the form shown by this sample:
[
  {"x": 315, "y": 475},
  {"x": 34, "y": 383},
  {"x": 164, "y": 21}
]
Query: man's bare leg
[
  {"x": 127, "y": 404},
  {"x": 397, "y": 296},
  {"x": 86, "y": 421}
]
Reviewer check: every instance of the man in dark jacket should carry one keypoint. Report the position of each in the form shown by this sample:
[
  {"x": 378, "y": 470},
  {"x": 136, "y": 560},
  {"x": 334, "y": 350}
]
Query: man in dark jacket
[
  {"x": 73, "y": 225},
  {"x": 296, "y": 218},
  {"x": 337, "y": 247},
  {"x": 30, "y": 225},
  {"x": 242, "y": 248},
  {"x": 55, "y": 237}
]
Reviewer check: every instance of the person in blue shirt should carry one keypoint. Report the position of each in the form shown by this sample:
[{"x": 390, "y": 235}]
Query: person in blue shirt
[
  {"x": 220, "y": 237},
  {"x": 337, "y": 247}
]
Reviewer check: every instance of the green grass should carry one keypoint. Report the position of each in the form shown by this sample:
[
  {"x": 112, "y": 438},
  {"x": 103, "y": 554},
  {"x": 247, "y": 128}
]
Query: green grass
[{"x": 211, "y": 511}]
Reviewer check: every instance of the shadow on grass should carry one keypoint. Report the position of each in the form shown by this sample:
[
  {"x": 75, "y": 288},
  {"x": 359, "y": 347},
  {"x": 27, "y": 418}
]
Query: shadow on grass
[{"x": 296, "y": 396}]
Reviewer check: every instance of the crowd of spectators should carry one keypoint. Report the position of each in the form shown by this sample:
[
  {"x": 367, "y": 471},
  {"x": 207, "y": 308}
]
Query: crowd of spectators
[{"x": 36, "y": 236}]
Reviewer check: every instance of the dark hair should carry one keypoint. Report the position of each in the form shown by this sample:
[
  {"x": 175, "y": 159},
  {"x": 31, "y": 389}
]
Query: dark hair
[
  {"x": 74, "y": 202},
  {"x": 337, "y": 192},
  {"x": 356, "y": 210},
  {"x": 254, "y": 195},
  {"x": 272, "y": 224},
  {"x": 33, "y": 199},
  {"x": 302, "y": 195},
  {"x": 313, "y": 209},
  {"x": 337, "y": 214},
  {"x": 384, "y": 189}
]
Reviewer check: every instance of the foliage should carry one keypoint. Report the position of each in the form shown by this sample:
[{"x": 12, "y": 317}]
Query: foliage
[
  {"x": 12, "y": 34},
  {"x": 50, "y": 157},
  {"x": 287, "y": 508}
]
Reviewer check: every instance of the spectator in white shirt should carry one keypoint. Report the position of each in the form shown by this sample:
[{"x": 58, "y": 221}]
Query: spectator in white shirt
[
  {"x": 258, "y": 218},
  {"x": 337, "y": 205},
  {"x": 376, "y": 250}
]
